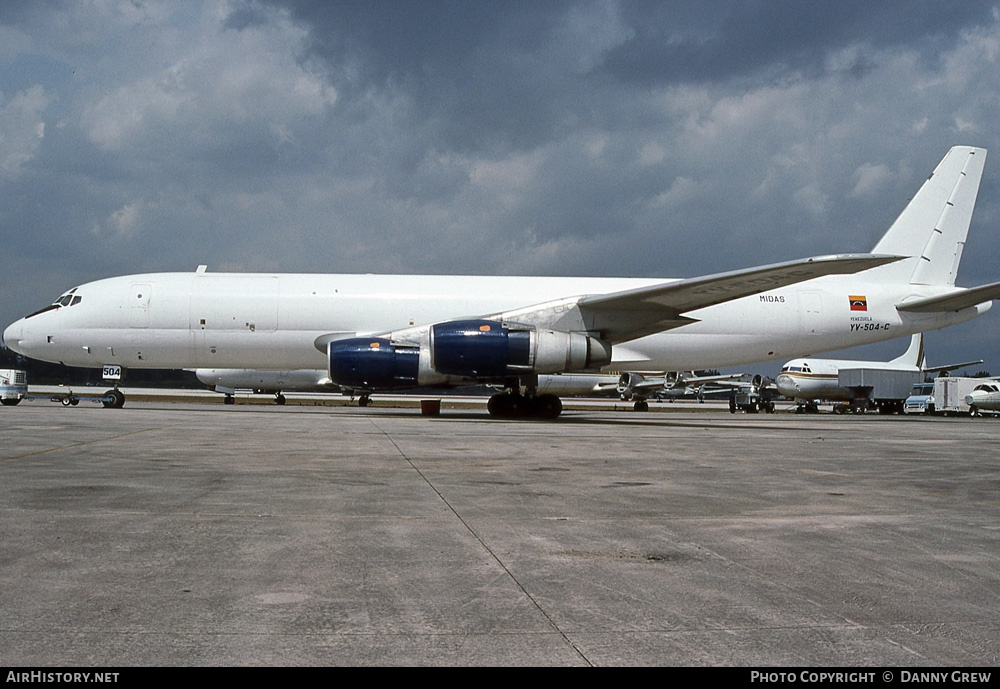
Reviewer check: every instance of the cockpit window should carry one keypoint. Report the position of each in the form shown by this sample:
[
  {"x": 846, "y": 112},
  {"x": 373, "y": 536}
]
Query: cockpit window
[
  {"x": 68, "y": 299},
  {"x": 50, "y": 307}
]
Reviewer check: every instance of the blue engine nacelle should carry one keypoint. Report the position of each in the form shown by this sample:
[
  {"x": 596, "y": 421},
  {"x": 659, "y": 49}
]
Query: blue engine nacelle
[
  {"x": 479, "y": 349},
  {"x": 459, "y": 352},
  {"x": 373, "y": 363},
  {"x": 489, "y": 349}
]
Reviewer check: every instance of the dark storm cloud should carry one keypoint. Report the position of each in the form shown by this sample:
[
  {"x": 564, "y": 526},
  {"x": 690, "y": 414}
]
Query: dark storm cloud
[
  {"x": 478, "y": 71},
  {"x": 680, "y": 42}
]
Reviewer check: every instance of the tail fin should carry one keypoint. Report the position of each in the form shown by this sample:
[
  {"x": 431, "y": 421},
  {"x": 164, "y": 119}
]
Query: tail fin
[
  {"x": 914, "y": 355},
  {"x": 933, "y": 226}
]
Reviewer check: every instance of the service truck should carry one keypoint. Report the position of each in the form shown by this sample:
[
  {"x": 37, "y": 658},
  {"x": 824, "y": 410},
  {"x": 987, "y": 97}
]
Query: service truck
[
  {"x": 949, "y": 394},
  {"x": 876, "y": 388},
  {"x": 13, "y": 386}
]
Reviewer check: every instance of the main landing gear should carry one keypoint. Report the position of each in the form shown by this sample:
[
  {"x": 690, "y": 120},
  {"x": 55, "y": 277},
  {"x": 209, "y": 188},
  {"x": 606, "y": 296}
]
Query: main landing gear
[{"x": 513, "y": 404}]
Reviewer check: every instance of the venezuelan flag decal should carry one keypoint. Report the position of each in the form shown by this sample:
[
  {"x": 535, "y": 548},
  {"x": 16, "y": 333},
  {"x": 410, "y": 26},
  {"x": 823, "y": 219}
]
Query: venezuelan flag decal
[{"x": 858, "y": 302}]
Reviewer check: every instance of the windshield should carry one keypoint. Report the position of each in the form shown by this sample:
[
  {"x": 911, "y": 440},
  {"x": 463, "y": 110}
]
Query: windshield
[{"x": 68, "y": 299}]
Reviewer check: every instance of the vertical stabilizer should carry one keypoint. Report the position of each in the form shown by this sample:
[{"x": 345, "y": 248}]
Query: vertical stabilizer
[
  {"x": 933, "y": 227},
  {"x": 914, "y": 355}
]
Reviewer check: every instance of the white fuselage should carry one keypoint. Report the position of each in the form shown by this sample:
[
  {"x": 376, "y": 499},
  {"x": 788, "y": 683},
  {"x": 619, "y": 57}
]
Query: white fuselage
[
  {"x": 282, "y": 321},
  {"x": 985, "y": 396},
  {"x": 818, "y": 379}
]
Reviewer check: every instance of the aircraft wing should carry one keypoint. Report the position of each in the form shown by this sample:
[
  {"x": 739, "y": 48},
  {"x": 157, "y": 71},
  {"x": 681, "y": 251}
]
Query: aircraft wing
[
  {"x": 630, "y": 314},
  {"x": 720, "y": 384},
  {"x": 961, "y": 299},
  {"x": 720, "y": 379}
]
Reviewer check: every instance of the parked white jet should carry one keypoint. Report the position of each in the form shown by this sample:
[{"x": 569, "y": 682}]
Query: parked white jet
[
  {"x": 985, "y": 397},
  {"x": 809, "y": 380},
  {"x": 229, "y": 380},
  {"x": 639, "y": 387},
  {"x": 374, "y": 332}
]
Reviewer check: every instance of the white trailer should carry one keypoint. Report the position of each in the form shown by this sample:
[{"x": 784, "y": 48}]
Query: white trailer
[
  {"x": 949, "y": 393},
  {"x": 13, "y": 386},
  {"x": 877, "y": 388}
]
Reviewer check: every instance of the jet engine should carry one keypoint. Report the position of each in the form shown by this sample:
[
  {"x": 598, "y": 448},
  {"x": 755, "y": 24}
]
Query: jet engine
[
  {"x": 461, "y": 351},
  {"x": 627, "y": 383},
  {"x": 490, "y": 349},
  {"x": 373, "y": 363}
]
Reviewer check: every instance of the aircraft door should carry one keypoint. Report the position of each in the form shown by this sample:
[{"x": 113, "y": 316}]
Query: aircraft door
[
  {"x": 138, "y": 306},
  {"x": 811, "y": 306}
]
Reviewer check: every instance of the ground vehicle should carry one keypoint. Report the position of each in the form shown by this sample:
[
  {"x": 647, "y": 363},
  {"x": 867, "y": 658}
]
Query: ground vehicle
[
  {"x": 876, "y": 388},
  {"x": 13, "y": 386},
  {"x": 921, "y": 399},
  {"x": 950, "y": 394},
  {"x": 753, "y": 397}
]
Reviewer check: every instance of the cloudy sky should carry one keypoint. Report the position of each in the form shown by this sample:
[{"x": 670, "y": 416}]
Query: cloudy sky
[{"x": 661, "y": 139}]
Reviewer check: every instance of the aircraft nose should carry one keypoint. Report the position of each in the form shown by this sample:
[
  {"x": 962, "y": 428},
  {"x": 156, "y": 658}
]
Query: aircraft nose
[
  {"x": 786, "y": 385},
  {"x": 13, "y": 335}
]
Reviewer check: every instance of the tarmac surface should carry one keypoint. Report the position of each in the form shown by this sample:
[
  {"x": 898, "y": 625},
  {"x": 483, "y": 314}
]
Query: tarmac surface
[{"x": 198, "y": 534}]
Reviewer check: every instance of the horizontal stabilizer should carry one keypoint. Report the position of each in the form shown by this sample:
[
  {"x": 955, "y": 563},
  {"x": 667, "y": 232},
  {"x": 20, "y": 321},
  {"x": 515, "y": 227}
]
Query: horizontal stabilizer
[
  {"x": 956, "y": 301},
  {"x": 950, "y": 367}
]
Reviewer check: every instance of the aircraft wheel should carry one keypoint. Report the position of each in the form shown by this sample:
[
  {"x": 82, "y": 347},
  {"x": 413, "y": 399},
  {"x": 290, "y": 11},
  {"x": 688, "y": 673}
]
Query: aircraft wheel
[
  {"x": 499, "y": 405},
  {"x": 521, "y": 406},
  {"x": 229, "y": 400},
  {"x": 114, "y": 399},
  {"x": 279, "y": 399},
  {"x": 10, "y": 402},
  {"x": 641, "y": 405},
  {"x": 364, "y": 401},
  {"x": 548, "y": 407}
]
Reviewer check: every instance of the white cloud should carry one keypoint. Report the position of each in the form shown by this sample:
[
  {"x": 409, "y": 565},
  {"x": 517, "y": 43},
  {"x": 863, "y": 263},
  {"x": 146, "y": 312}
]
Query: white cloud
[
  {"x": 223, "y": 86},
  {"x": 870, "y": 179},
  {"x": 21, "y": 129}
]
